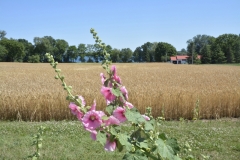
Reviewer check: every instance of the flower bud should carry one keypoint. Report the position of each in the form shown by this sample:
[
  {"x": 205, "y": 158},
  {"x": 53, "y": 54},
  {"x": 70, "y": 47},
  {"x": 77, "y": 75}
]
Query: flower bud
[{"x": 56, "y": 77}]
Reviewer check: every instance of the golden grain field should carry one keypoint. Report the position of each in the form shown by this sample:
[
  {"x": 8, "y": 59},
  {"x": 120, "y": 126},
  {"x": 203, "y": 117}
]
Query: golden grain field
[{"x": 30, "y": 92}]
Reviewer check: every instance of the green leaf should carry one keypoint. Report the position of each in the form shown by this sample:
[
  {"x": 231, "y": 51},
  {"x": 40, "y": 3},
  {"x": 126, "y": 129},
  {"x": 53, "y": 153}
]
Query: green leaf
[
  {"x": 119, "y": 146},
  {"x": 148, "y": 126},
  {"x": 134, "y": 156},
  {"x": 101, "y": 137},
  {"x": 173, "y": 143},
  {"x": 113, "y": 131},
  {"x": 110, "y": 109},
  {"x": 116, "y": 92},
  {"x": 134, "y": 116},
  {"x": 105, "y": 117},
  {"x": 162, "y": 136},
  {"x": 124, "y": 140},
  {"x": 165, "y": 150}
]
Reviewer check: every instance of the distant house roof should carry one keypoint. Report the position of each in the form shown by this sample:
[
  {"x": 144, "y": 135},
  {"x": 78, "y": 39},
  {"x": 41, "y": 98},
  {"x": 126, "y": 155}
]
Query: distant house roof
[{"x": 183, "y": 57}]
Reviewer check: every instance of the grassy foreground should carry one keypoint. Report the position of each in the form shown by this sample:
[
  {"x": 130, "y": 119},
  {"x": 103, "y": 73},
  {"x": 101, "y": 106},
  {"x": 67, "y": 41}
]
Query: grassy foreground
[{"x": 218, "y": 139}]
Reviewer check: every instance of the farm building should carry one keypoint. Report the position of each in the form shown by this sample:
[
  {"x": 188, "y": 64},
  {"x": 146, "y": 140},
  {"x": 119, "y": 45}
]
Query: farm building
[{"x": 181, "y": 59}]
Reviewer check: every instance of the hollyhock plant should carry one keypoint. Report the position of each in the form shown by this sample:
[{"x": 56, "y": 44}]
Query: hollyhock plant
[
  {"x": 119, "y": 114},
  {"x": 115, "y": 77},
  {"x": 124, "y": 92},
  {"x": 103, "y": 78},
  {"x": 92, "y": 119},
  {"x": 76, "y": 111},
  {"x": 146, "y": 117},
  {"x": 110, "y": 145},
  {"x": 108, "y": 95},
  {"x": 111, "y": 121},
  {"x": 128, "y": 104}
]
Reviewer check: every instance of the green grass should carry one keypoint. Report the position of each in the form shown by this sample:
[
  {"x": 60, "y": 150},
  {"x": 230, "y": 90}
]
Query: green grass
[{"x": 219, "y": 139}]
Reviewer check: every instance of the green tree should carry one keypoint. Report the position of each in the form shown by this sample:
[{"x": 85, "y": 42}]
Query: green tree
[
  {"x": 28, "y": 49},
  {"x": 60, "y": 49},
  {"x": 206, "y": 54},
  {"x": 163, "y": 51},
  {"x": 182, "y": 52},
  {"x": 138, "y": 55},
  {"x": 43, "y": 45},
  {"x": 148, "y": 50},
  {"x": 217, "y": 54},
  {"x": 3, "y": 53},
  {"x": 2, "y": 34},
  {"x": 126, "y": 55},
  {"x": 34, "y": 59},
  {"x": 71, "y": 54},
  {"x": 199, "y": 41},
  {"x": 82, "y": 51},
  {"x": 229, "y": 44},
  {"x": 15, "y": 50},
  {"x": 115, "y": 55}
]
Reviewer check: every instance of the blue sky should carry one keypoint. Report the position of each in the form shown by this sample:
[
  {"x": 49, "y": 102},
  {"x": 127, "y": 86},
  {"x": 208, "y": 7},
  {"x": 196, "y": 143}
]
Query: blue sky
[{"x": 121, "y": 24}]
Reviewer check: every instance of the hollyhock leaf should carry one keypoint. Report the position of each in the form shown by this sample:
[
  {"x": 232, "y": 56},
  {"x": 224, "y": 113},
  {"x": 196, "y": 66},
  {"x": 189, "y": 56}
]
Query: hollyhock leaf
[
  {"x": 101, "y": 137},
  {"x": 119, "y": 146},
  {"x": 135, "y": 156},
  {"x": 116, "y": 92},
  {"x": 164, "y": 150},
  {"x": 113, "y": 131},
  {"x": 134, "y": 116},
  {"x": 105, "y": 117},
  {"x": 109, "y": 109},
  {"x": 124, "y": 140},
  {"x": 172, "y": 142},
  {"x": 148, "y": 126}
]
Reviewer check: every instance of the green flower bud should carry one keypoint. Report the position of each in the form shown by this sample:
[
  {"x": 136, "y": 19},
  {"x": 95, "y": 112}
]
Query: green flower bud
[
  {"x": 56, "y": 77},
  {"x": 57, "y": 70},
  {"x": 133, "y": 149}
]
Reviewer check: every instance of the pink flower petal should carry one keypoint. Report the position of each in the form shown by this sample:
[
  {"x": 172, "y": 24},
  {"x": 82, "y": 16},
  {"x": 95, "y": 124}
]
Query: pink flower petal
[
  {"x": 129, "y": 105},
  {"x": 146, "y": 117},
  {"x": 93, "y": 107},
  {"x": 92, "y": 119},
  {"x": 106, "y": 91},
  {"x": 124, "y": 92},
  {"x": 102, "y": 78},
  {"x": 76, "y": 111},
  {"x": 110, "y": 146},
  {"x": 111, "y": 121},
  {"x": 93, "y": 134},
  {"x": 83, "y": 100},
  {"x": 119, "y": 114}
]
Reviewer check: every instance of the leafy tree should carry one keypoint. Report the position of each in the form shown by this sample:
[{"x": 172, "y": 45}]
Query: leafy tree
[
  {"x": 199, "y": 41},
  {"x": 138, "y": 55},
  {"x": 3, "y": 53},
  {"x": 15, "y": 50},
  {"x": 148, "y": 50},
  {"x": 2, "y": 34},
  {"x": 28, "y": 48},
  {"x": 115, "y": 55},
  {"x": 82, "y": 50},
  {"x": 43, "y": 45},
  {"x": 182, "y": 52},
  {"x": 126, "y": 55},
  {"x": 34, "y": 59},
  {"x": 206, "y": 54},
  {"x": 60, "y": 49},
  {"x": 229, "y": 44},
  {"x": 71, "y": 54},
  {"x": 163, "y": 51},
  {"x": 217, "y": 54}
]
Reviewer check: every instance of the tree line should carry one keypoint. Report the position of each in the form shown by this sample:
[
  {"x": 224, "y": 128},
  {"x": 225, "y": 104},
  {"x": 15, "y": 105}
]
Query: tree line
[{"x": 223, "y": 49}]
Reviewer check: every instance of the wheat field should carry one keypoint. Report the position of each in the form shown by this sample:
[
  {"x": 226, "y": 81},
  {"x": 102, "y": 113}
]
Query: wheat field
[{"x": 29, "y": 91}]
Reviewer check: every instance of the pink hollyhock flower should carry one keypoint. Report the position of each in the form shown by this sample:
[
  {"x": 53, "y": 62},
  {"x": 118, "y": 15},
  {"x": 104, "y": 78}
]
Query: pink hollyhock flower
[
  {"x": 92, "y": 119},
  {"x": 146, "y": 117},
  {"x": 115, "y": 77},
  {"x": 111, "y": 121},
  {"x": 93, "y": 133},
  {"x": 110, "y": 146},
  {"x": 76, "y": 111},
  {"x": 93, "y": 107},
  {"x": 119, "y": 114},
  {"x": 103, "y": 78},
  {"x": 128, "y": 104},
  {"x": 106, "y": 91},
  {"x": 124, "y": 92},
  {"x": 83, "y": 100}
]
